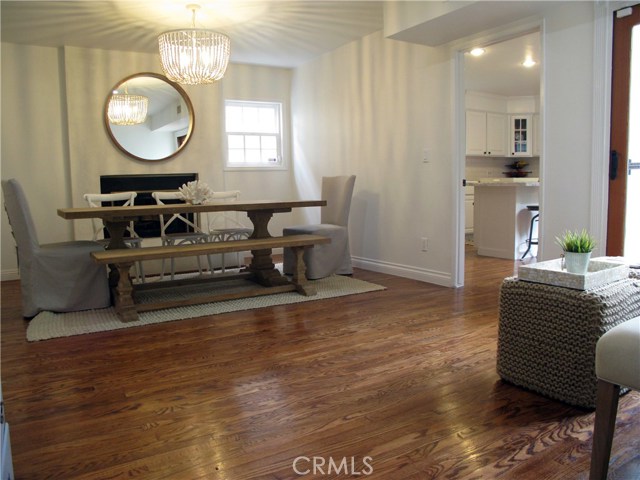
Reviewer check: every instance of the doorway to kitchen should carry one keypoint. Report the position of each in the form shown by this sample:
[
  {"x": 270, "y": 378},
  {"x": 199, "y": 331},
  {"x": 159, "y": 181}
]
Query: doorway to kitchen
[{"x": 503, "y": 146}]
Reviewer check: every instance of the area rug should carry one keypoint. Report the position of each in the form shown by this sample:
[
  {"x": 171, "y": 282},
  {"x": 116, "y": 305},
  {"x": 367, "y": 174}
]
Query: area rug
[{"x": 48, "y": 325}]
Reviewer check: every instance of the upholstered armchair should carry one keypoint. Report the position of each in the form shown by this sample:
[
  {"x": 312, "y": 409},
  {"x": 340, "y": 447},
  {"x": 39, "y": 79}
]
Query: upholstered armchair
[
  {"x": 59, "y": 277},
  {"x": 335, "y": 257},
  {"x": 617, "y": 365}
]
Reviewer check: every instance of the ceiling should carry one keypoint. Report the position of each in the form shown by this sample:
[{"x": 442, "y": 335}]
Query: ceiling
[
  {"x": 278, "y": 33},
  {"x": 499, "y": 71}
]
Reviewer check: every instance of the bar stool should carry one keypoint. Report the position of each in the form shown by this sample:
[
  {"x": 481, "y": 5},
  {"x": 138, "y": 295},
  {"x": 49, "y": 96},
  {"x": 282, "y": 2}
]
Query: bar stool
[{"x": 535, "y": 218}]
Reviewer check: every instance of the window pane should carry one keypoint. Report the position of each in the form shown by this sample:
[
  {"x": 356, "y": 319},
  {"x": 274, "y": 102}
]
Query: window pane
[
  {"x": 269, "y": 142},
  {"x": 267, "y": 120},
  {"x": 234, "y": 119},
  {"x": 250, "y": 119},
  {"x": 270, "y": 156},
  {"x": 253, "y": 133},
  {"x": 236, "y": 156},
  {"x": 252, "y": 156},
  {"x": 252, "y": 141},
  {"x": 235, "y": 141}
]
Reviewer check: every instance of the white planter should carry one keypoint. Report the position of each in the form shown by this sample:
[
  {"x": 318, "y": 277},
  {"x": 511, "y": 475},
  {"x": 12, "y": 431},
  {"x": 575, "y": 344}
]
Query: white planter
[{"x": 577, "y": 262}]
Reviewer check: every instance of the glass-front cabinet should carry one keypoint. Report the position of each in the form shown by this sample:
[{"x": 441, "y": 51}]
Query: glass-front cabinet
[{"x": 521, "y": 139}]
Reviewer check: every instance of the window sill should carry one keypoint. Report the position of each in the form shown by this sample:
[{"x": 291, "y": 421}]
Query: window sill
[{"x": 255, "y": 168}]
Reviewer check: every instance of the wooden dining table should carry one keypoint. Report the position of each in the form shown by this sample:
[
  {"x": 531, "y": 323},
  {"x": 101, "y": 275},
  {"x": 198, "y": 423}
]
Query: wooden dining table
[{"x": 116, "y": 220}]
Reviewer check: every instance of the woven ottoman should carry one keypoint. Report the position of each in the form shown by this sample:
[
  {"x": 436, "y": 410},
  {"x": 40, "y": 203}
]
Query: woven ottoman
[{"x": 547, "y": 335}]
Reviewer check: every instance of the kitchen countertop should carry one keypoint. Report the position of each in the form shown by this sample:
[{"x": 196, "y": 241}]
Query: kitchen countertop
[
  {"x": 501, "y": 219},
  {"x": 504, "y": 182}
]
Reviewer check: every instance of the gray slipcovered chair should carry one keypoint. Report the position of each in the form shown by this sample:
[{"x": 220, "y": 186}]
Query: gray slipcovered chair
[
  {"x": 335, "y": 257},
  {"x": 58, "y": 277},
  {"x": 617, "y": 365}
]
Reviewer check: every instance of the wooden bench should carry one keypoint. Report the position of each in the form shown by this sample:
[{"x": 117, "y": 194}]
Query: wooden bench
[{"x": 261, "y": 270}]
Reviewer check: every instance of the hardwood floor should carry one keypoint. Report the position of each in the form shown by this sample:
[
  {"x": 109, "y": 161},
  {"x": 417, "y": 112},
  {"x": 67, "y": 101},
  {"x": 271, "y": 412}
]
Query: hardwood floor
[{"x": 396, "y": 384}]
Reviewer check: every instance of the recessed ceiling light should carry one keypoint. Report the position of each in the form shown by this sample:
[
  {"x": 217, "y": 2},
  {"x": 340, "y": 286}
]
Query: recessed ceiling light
[
  {"x": 528, "y": 62},
  {"x": 476, "y": 52}
]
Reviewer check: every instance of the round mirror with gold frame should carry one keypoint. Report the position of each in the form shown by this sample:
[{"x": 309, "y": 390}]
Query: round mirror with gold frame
[{"x": 149, "y": 117}]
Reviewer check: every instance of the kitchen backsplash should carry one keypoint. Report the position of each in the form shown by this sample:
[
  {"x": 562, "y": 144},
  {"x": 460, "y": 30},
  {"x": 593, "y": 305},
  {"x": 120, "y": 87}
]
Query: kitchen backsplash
[{"x": 492, "y": 167}]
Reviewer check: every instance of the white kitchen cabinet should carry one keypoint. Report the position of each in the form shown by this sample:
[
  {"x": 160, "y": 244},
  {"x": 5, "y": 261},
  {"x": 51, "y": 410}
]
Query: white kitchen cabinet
[
  {"x": 468, "y": 209},
  {"x": 486, "y": 133},
  {"x": 537, "y": 147},
  {"x": 521, "y": 136}
]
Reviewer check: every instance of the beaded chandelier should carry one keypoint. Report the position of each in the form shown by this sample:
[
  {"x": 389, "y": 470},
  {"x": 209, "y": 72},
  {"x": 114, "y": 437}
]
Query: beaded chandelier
[{"x": 194, "y": 56}]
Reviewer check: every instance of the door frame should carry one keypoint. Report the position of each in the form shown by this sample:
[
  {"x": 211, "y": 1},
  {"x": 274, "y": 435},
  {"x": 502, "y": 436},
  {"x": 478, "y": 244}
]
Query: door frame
[
  {"x": 457, "y": 50},
  {"x": 602, "y": 62},
  {"x": 619, "y": 140}
]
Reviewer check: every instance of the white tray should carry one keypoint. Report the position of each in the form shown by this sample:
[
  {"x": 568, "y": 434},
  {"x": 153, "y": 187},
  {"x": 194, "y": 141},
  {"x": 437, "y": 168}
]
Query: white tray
[{"x": 600, "y": 272}]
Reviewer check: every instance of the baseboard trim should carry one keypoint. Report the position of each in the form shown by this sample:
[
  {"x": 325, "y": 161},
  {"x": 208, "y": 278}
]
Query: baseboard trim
[
  {"x": 11, "y": 274},
  {"x": 405, "y": 271},
  {"x": 497, "y": 252}
]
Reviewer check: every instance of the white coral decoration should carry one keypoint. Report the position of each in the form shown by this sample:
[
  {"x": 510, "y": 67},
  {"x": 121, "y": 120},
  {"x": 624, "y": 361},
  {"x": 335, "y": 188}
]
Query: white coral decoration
[{"x": 195, "y": 192}]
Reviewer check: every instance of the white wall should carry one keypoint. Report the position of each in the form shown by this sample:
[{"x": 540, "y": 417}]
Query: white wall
[
  {"x": 250, "y": 82},
  {"x": 34, "y": 140},
  {"x": 369, "y": 109},
  {"x": 567, "y": 109},
  {"x": 54, "y": 140}
]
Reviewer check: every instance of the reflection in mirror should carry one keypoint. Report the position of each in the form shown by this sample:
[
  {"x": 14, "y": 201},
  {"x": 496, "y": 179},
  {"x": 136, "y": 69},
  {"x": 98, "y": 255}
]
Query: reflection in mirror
[
  {"x": 127, "y": 109},
  {"x": 168, "y": 124}
]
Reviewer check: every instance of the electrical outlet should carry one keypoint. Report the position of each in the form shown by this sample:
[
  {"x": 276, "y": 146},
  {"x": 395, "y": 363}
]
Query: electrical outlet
[{"x": 425, "y": 243}]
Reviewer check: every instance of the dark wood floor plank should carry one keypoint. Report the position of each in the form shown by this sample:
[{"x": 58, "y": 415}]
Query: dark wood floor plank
[{"x": 405, "y": 376}]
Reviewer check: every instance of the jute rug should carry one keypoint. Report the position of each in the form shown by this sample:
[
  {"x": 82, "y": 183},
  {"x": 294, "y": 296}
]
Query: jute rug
[{"x": 48, "y": 325}]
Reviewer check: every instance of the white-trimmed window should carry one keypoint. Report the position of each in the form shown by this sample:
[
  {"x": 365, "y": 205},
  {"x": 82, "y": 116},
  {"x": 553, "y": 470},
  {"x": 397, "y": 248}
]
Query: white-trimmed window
[{"x": 254, "y": 134}]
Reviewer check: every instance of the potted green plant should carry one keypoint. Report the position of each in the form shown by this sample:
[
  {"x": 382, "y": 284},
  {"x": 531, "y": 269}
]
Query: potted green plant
[{"x": 577, "y": 248}]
